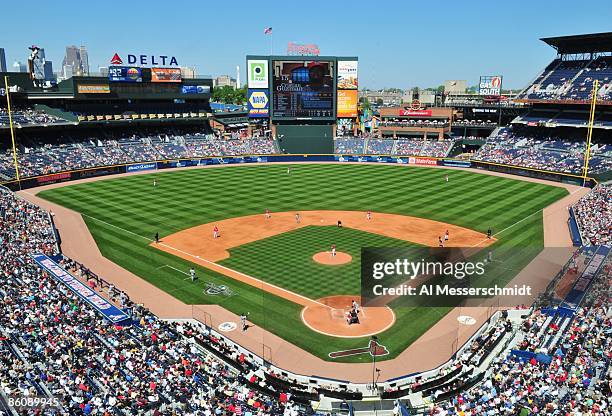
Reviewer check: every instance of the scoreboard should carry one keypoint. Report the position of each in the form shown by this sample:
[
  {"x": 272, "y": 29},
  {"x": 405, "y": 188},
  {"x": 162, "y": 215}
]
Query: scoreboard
[{"x": 303, "y": 89}]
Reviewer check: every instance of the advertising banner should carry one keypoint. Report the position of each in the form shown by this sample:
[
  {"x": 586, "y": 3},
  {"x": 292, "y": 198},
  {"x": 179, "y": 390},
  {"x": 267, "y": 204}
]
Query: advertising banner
[
  {"x": 415, "y": 113},
  {"x": 141, "y": 166},
  {"x": 258, "y": 103},
  {"x": 110, "y": 311},
  {"x": 124, "y": 74},
  {"x": 425, "y": 161},
  {"x": 347, "y": 75},
  {"x": 347, "y": 103},
  {"x": 93, "y": 89},
  {"x": 457, "y": 163},
  {"x": 257, "y": 73},
  {"x": 490, "y": 85},
  {"x": 195, "y": 89},
  {"x": 303, "y": 89},
  {"x": 165, "y": 75},
  {"x": 56, "y": 177}
]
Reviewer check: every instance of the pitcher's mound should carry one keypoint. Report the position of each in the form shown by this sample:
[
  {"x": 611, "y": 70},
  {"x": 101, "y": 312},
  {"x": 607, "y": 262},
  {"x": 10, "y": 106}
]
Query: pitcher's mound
[
  {"x": 328, "y": 317},
  {"x": 325, "y": 257}
]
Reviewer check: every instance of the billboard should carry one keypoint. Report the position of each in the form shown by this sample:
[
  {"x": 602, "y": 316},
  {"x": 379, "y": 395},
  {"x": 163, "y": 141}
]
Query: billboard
[
  {"x": 165, "y": 75},
  {"x": 257, "y": 73},
  {"x": 80, "y": 289},
  {"x": 347, "y": 75},
  {"x": 195, "y": 89},
  {"x": 490, "y": 85},
  {"x": 124, "y": 74},
  {"x": 258, "y": 103},
  {"x": 93, "y": 89},
  {"x": 347, "y": 103},
  {"x": 303, "y": 89},
  {"x": 415, "y": 113}
]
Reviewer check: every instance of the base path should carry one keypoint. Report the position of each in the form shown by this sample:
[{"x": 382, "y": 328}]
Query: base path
[{"x": 331, "y": 318}]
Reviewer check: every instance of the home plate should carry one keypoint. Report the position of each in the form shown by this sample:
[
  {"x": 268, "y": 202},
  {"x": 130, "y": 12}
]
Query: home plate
[{"x": 466, "y": 320}]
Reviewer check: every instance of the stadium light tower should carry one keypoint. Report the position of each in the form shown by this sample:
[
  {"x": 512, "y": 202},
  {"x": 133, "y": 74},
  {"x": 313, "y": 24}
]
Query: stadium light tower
[{"x": 10, "y": 115}]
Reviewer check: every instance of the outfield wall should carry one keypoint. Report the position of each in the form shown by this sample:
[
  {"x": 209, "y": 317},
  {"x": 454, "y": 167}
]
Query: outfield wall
[{"x": 32, "y": 182}]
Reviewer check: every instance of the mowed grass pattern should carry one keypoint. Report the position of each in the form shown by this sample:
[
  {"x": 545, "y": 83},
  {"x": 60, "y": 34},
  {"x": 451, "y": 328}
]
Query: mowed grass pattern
[
  {"x": 124, "y": 213},
  {"x": 286, "y": 259}
]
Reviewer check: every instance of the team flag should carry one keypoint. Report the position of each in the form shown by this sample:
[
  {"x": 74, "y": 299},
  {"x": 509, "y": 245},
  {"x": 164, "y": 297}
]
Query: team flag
[{"x": 268, "y": 31}]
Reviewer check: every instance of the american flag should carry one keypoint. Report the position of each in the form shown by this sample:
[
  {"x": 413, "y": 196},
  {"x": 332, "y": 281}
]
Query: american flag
[{"x": 268, "y": 31}]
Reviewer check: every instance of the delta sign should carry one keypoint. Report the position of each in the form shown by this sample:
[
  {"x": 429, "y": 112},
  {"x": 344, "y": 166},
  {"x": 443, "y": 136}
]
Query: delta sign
[
  {"x": 145, "y": 60},
  {"x": 258, "y": 103}
]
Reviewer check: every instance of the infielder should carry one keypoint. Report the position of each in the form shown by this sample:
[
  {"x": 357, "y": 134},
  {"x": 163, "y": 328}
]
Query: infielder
[
  {"x": 268, "y": 215},
  {"x": 216, "y": 232},
  {"x": 333, "y": 250},
  {"x": 297, "y": 217},
  {"x": 369, "y": 215}
]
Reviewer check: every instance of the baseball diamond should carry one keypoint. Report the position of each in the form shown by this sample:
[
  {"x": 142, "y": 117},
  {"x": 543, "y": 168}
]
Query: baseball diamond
[
  {"x": 361, "y": 234},
  {"x": 267, "y": 263}
]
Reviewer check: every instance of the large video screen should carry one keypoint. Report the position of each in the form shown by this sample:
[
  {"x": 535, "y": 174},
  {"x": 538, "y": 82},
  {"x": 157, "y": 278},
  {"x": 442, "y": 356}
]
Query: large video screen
[
  {"x": 303, "y": 89},
  {"x": 124, "y": 74}
]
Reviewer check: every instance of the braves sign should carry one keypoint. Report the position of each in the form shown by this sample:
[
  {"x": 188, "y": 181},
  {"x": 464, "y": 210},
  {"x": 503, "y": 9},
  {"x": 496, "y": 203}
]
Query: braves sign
[
  {"x": 145, "y": 60},
  {"x": 490, "y": 85},
  {"x": 299, "y": 49}
]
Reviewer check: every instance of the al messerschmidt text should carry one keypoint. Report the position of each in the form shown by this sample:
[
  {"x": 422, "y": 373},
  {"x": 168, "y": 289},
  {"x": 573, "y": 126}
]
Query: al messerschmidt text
[{"x": 445, "y": 290}]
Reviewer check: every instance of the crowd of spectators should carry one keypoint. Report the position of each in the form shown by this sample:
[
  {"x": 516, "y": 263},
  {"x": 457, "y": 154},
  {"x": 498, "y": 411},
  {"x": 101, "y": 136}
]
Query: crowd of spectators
[
  {"x": 394, "y": 147},
  {"x": 593, "y": 213},
  {"x": 54, "y": 346},
  {"x": 576, "y": 381},
  {"x": 573, "y": 80},
  {"x": 41, "y": 159},
  {"x": 26, "y": 117},
  {"x": 518, "y": 147}
]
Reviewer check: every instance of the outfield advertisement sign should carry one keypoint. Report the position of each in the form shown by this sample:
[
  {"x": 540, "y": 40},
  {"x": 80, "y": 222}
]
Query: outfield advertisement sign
[
  {"x": 347, "y": 75},
  {"x": 257, "y": 73},
  {"x": 490, "y": 85},
  {"x": 415, "y": 113},
  {"x": 141, "y": 166},
  {"x": 195, "y": 89},
  {"x": 457, "y": 163},
  {"x": 258, "y": 103},
  {"x": 347, "y": 103},
  {"x": 424, "y": 161},
  {"x": 89, "y": 296},
  {"x": 93, "y": 89},
  {"x": 124, "y": 74},
  {"x": 371, "y": 159},
  {"x": 165, "y": 75}
]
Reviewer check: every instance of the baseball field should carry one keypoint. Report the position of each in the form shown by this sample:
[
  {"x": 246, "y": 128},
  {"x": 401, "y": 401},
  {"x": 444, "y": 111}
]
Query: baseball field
[{"x": 267, "y": 263}]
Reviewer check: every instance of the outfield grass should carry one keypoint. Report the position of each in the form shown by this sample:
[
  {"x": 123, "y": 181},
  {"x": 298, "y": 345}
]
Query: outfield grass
[{"x": 124, "y": 213}]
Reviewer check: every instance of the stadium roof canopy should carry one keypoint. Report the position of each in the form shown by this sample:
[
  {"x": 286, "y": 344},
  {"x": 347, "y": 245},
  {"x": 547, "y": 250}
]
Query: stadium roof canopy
[{"x": 595, "y": 42}]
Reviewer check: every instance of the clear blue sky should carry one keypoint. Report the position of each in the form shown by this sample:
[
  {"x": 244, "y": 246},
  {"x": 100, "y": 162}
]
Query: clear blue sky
[{"x": 399, "y": 43}]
